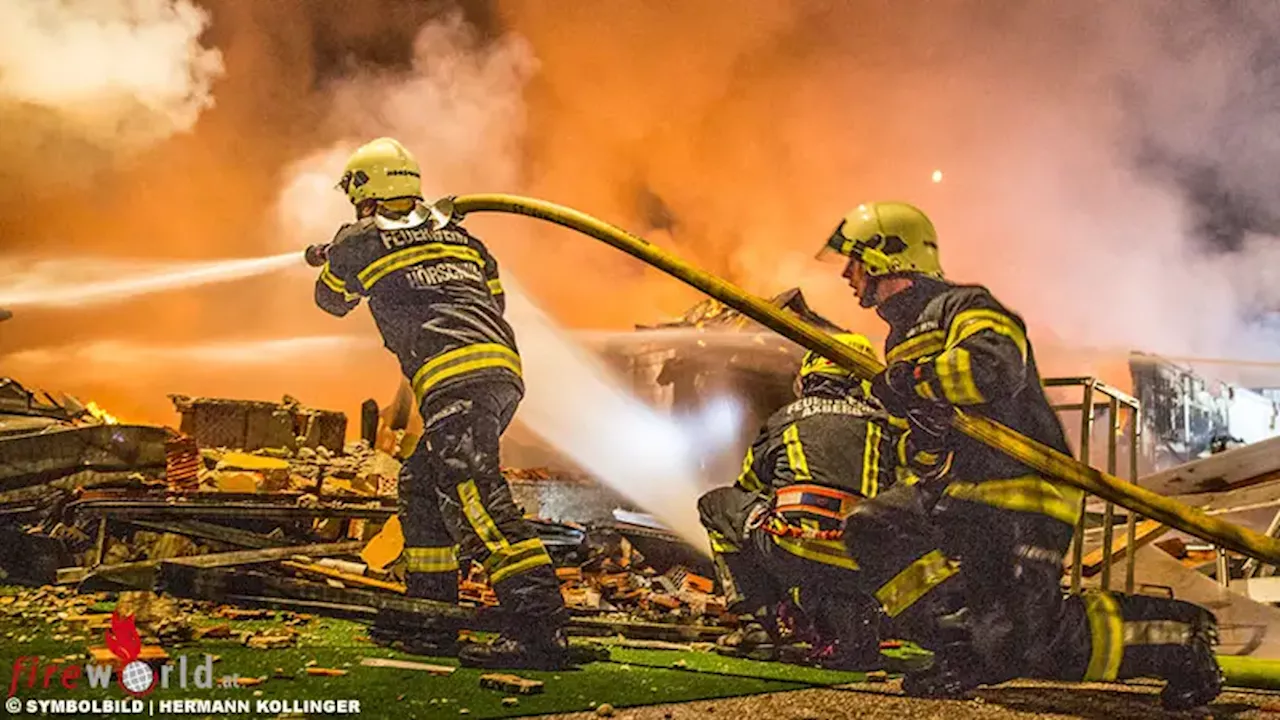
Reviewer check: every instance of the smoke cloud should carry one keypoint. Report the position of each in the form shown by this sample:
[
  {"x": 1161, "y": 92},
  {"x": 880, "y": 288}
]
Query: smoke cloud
[
  {"x": 100, "y": 77},
  {"x": 1106, "y": 167}
]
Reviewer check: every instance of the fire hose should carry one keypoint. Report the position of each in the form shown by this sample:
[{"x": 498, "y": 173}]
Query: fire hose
[{"x": 1030, "y": 452}]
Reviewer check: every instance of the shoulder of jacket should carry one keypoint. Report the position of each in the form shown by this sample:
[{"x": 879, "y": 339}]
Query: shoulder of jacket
[
  {"x": 958, "y": 298},
  {"x": 350, "y": 232}
]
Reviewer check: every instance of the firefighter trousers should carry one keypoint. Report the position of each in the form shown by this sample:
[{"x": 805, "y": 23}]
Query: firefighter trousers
[
  {"x": 454, "y": 502},
  {"x": 981, "y": 586},
  {"x": 758, "y": 570}
]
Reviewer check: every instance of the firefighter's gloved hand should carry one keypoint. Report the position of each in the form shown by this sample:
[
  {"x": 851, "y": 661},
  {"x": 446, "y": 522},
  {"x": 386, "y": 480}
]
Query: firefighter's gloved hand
[{"x": 895, "y": 388}]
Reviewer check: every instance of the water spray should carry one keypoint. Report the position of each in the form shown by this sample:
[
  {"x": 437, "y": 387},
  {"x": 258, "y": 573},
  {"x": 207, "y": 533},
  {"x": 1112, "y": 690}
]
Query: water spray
[{"x": 75, "y": 283}]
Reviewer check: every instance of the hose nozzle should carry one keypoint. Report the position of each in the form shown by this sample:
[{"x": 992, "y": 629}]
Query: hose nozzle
[{"x": 316, "y": 255}]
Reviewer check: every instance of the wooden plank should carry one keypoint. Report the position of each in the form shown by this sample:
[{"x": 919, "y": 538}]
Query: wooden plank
[
  {"x": 212, "y": 531},
  {"x": 1147, "y": 532},
  {"x": 249, "y": 557},
  {"x": 1231, "y": 470},
  {"x": 314, "y": 569},
  {"x": 407, "y": 665}
]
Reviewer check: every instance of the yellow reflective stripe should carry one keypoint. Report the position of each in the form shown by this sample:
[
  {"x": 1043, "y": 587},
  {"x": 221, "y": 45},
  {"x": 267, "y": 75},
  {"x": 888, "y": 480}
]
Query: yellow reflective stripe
[
  {"x": 479, "y": 518},
  {"x": 495, "y": 287},
  {"x": 401, "y": 259},
  {"x": 915, "y": 581},
  {"x": 1025, "y": 494},
  {"x": 515, "y": 559},
  {"x": 827, "y": 552},
  {"x": 925, "y": 391},
  {"x": 871, "y": 462},
  {"x": 334, "y": 283},
  {"x": 431, "y": 559},
  {"x": 720, "y": 543},
  {"x": 927, "y": 343},
  {"x": 463, "y": 360},
  {"x": 795, "y": 453},
  {"x": 748, "y": 480},
  {"x": 1106, "y": 636},
  {"x": 955, "y": 374},
  {"x": 971, "y": 322}
]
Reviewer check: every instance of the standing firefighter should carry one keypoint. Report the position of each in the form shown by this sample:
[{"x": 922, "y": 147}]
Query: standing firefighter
[
  {"x": 989, "y": 592},
  {"x": 776, "y": 532},
  {"x": 435, "y": 296}
]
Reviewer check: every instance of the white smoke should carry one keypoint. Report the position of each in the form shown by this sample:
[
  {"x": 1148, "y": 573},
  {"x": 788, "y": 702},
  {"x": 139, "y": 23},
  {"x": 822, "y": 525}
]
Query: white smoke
[
  {"x": 459, "y": 110},
  {"x": 116, "y": 74}
]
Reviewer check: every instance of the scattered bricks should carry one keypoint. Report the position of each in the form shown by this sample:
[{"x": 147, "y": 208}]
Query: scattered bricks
[
  {"x": 510, "y": 701},
  {"x": 213, "y": 632},
  {"x": 877, "y": 676},
  {"x": 280, "y": 674},
  {"x": 250, "y": 682},
  {"x": 604, "y": 710},
  {"x": 697, "y": 583},
  {"x": 510, "y": 683},
  {"x": 326, "y": 672},
  {"x": 182, "y": 464},
  {"x": 569, "y": 574},
  {"x": 664, "y": 601}
]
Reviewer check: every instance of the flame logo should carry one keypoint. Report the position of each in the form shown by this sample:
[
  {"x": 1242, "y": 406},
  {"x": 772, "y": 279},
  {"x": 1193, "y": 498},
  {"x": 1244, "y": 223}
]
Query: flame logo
[{"x": 122, "y": 638}]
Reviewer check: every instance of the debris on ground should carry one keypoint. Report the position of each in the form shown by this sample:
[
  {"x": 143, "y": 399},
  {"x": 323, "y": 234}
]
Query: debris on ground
[
  {"x": 510, "y": 683},
  {"x": 408, "y": 665}
]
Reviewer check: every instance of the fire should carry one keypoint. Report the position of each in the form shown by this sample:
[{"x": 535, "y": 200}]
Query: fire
[{"x": 101, "y": 415}]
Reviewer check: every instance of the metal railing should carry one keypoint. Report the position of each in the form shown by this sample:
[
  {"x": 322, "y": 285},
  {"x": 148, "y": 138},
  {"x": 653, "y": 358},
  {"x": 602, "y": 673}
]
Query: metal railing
[{"x": 1115, "y": 403}]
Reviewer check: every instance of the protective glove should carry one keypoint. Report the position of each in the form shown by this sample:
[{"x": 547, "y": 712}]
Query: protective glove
[{"x": 895, "y": 388}]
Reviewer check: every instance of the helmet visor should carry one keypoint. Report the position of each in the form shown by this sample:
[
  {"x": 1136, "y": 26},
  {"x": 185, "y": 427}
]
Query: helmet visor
[{"x": 837, "y": 249}]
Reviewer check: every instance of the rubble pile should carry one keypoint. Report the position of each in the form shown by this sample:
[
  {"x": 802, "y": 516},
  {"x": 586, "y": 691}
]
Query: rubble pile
[{"x": 262, "y": 501}]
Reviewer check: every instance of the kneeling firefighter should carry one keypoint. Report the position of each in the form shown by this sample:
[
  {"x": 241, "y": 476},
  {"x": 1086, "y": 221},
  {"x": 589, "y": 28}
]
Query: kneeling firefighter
[
  {"x": 776, "y": 533},
  {"x": 435, "y": 295},
  {"x": 983, "y": 585}
]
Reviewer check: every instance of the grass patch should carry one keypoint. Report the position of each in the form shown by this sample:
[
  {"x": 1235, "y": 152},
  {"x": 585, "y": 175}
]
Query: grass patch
[{"x": 633, "y": 677}]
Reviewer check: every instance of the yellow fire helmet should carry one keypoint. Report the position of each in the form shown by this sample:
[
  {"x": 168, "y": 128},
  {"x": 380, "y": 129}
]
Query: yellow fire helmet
[
  {"x": 814, "y": 363},
  {"x": 889, "y": 238},
  {"x": 381, "y": 170}
]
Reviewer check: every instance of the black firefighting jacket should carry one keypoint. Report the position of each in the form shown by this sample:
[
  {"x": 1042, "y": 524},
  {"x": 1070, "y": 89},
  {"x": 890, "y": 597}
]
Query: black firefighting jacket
[
  {"x": 435, "y": 296},
  {"x": 971, "y": 351},
  {"x": 826, "y": 438}
]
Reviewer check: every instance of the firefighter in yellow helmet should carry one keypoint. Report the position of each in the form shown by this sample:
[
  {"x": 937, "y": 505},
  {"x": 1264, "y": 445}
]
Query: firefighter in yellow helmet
[
  {"x": 435, "y": 295},
  {"x": 982, "y": 586},
  {"x": 775, "y": 533}
]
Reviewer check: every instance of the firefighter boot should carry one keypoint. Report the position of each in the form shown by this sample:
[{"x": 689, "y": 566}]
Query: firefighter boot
[
  {"x": 958, "y": 664},
  {"x": 532, "y": 649},
  {"x": 1193, "y": 676},
  {"x": 852, "y": 623}
]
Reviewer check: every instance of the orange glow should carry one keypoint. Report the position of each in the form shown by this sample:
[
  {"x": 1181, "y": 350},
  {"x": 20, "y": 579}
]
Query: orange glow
[{"x": 735, "y": 137}]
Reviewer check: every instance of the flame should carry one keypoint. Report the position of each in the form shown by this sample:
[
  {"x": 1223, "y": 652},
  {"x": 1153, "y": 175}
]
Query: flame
[
  {"x": 122, "y": 638},
  {"x": 101, "y": 415}
]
